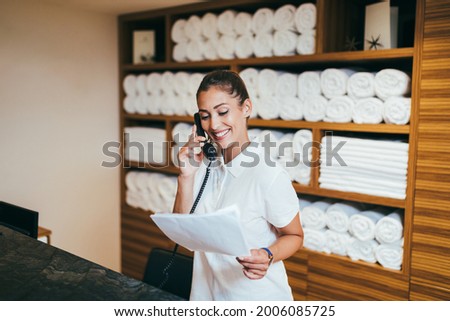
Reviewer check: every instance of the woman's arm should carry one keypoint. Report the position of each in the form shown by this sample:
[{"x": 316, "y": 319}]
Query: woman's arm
[{"x": 290, "y": 239}]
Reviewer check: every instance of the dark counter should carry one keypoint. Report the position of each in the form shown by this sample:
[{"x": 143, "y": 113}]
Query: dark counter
[{"x": 33, "y": 270}]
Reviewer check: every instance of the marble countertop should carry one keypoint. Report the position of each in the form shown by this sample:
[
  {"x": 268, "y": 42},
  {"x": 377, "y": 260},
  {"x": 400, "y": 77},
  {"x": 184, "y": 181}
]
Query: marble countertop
[{"x": 33, "y": 270}]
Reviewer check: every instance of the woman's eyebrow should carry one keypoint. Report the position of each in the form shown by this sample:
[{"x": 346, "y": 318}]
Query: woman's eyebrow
[{"x": 217, "y": 106}]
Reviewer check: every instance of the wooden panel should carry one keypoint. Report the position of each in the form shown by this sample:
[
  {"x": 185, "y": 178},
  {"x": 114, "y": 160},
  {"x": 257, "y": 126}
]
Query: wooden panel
[
  {"x": 430, "y": 255},
  {"x": 297, "y": 270}
]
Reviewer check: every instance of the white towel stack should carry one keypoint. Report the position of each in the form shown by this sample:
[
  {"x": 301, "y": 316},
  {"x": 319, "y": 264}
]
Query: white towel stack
[
  {"x": 150, "y": 191},
  {"x": 366, "y": 166},
  {"x": 146, "y": 145}
]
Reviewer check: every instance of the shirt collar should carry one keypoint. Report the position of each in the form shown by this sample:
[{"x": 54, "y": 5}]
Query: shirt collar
[{"x": 247, "y": 158}]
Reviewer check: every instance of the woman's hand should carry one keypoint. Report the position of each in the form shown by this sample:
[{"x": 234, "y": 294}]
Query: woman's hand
[
  {"x": 190, "y": 155},
  {"x": 256, "y": 265}
]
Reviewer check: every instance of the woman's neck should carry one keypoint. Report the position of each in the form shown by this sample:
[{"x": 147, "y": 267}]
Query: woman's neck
[{"x": 231, "y": 152}]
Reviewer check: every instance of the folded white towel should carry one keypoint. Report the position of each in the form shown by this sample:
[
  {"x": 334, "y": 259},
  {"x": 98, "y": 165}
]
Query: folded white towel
[
  {"x": 374, "y": 181},
  {"x": 209, "y": 25},
  {"x": 181, "y": 82},
  {"x": 267, "y": 82},
  {"x": 262, "y": 21},
  {"x": 389, "y": 229},
  {"x": 347, "y": 171},
  {"x": 313, "y": 216},
  {"x": 195, "y": 49},
  {"x": 305, "y": 17},
  {"x": 250, "y": 78},
  {"x": 361, "y": 85},
  {"x": 338, "y": 215},
  {"x": 263, "y": 45},
  {"x": 146, "y": 138},
  {"x": 141, "y": 84},
  {"x": 362, "y": 225},
  {"x": 225, "y": 22},
  {"x": 337, "y": 243},
  {"x": 284, "y": 42},
  {"x": 243, "y": 24},
  {"x": 269, "y": 107},
  {"x": 193, "y": 28},
  {"x": 315, "y": 108},
  {"x": 178, "y": 33},
  {"x": 179, "y": 53},
  {"x": 397, "y": 110},
  {"x": 284, "y": 18},
  {"x": 339, "y": 110},
  {"x": 390, "y": 256},
  {"x": 368, "y": 111},
  {"x": 286, "y": 85},
  {"x": 167, "y": 81},
  {"x": 195, "y": 80},
  {"x": 154, "y": 83},
  {"x": 129, "y": 104},
  {"x": 129, "y": 85},
  {"x": 315, "y": 240},
  {"x": 392, "y": 82},
  {"x": 388, "y": 146},
  {"x": 244, "y": 46},
  {"x": 306, "y": 44},
  {"x": 334, "y": 82},
  {"x": 291, "y": 108},
  {"x": 366, "y": 189},
  {"x": 225, "y": 47},
  {"x": 362, "y": 250},
  {"x": 309, "y": 84}
]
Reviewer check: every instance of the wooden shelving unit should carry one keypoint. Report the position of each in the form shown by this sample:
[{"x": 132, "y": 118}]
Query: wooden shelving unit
[{"x": 313, "y": 275}]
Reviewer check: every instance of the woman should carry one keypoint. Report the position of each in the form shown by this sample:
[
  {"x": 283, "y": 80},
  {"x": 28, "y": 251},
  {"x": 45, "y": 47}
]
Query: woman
[{"x": 244, "y": 176}]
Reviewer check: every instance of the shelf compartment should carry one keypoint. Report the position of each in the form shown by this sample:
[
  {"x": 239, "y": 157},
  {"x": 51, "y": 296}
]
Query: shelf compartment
[{"x": 157, "y": 168}]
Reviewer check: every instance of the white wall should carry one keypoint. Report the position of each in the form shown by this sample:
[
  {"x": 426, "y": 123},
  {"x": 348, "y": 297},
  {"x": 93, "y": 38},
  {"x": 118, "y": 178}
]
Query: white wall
[{"x": 58, "y": 106}]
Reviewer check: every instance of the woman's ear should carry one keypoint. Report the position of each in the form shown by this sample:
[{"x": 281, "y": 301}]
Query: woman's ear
[{"x": 248, "y": 107}]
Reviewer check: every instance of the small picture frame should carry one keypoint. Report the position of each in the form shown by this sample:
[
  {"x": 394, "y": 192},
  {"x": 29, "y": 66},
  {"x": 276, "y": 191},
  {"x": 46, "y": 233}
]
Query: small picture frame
[
  {"x": 143, "y": 46},
  {"x": 380, "y": 30}
]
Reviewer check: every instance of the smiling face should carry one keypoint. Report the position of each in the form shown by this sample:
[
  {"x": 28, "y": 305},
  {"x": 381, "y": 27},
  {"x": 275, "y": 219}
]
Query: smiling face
[{"x": 223, "y": 118}]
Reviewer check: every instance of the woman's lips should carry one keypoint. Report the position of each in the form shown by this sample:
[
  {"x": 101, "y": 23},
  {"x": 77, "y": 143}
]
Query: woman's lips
[{"x": 220, "y": 135}]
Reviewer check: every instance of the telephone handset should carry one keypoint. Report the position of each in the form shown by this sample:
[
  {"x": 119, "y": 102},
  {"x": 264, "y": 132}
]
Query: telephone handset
[{"x": 208, "y": 149}]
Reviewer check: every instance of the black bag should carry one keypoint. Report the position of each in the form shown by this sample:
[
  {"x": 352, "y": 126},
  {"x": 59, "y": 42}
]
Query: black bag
[{"x": 169, "y": 271}]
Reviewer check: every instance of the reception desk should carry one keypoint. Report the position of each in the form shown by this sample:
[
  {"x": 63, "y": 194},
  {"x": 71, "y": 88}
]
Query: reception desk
[{"x": 33, "y": 270}]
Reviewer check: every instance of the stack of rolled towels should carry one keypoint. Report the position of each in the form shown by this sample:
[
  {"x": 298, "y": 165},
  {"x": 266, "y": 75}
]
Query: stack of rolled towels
[
  {"x": 268, "y": 32},
  {"x": 180, "y": 136},
  {"x": 150, "y": 191},
  {"x": 366, "y": 166},
  {"x": 167, "y": 93},
  {"x": 361, "y": 232},
  {"x": 145, "y": 145},
  {"x": 332, "y": 95}
]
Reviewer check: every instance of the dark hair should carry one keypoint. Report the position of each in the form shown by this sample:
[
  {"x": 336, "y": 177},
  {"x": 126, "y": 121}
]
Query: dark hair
[{"x": 228, "y": 81}]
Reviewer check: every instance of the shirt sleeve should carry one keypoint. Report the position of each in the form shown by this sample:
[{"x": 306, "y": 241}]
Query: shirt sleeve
[{"x": 281, "y": 201}]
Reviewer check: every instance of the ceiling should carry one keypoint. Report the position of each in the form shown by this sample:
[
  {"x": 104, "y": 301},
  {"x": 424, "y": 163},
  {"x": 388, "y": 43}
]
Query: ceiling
[{"x": 117, "y": 7}]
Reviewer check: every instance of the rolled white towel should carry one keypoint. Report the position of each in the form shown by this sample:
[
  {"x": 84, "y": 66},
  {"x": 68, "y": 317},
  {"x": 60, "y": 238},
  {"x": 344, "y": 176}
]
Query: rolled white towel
[
  {"x": 179, "y": 53},
  {"x": 195, "y": 49},
  {"x": 154, "y": 104},
  {"x": 299, "y": 172},
  {"x": 306, "y": 44},
  {"x": 368, "y": 111},
  {"x": 250, "y": 78},
  {"x": 286, "y": 85},
  {"x": 301, "y": 144},
  {"x": 315, "y": 240},
  {"x": 210, "y": 47},
  {"x": 154, "y": 83},
  {"x": 397, "y": 110},
  {"x": 285, "y": 146},
  {"x": 181, "y": 82},
  {"x": 362, "y": 250},
  {"x": 337, "y": 243},
  {"x": 141, "y": 104},
  {"x": 178, "y": 33},
  {"x": 129, "y": 104},
  {"x": 339, "y": 110},
  {"x": 302, "y": 203},
  {"x": 167, "y": 81},
  {"x": 193, "y": 28},
  {"x": 133, "y": 199},
  {"x": 334, "y": 82},
  {"x": 389, "y": 229},
  {"x": 130, "y": 181},
  {"x": 253, "y": 133},
  {"x": 225, "y": 22},
  {"x": 392, "y": 82},
  {"x": 338, "y": 215},
  {"x": 284, "y": 18},
  {"x": 305, "y": 17},
  {"x": 243, "y": 24},
  {"x": 179, "y": 108},
  {"x": 362, "y": 225},
  {"x": 390, "y": 256},
  {"x": 314, "y": 108},
  {"x": 225, "y": 47},
  {"x": 190, "y": 104},
  {"x": 271, "y": 136},
  {"x": 244, "y": 46},
  {"x": 255, "y": 104},
  {"x": 309, "y": 84},
  {"x": 284, "y": 43},
  {"x": 168, "y": 104},
  {"x": 166, "y": 188},
  {"x": 267, "y": 82},
  {"x": 269, "y": 107},
  {"x": 262, "y": 20},
  {"x": 181, "y": 133},
  {"x": 263, "y": 45},
  {"x": 129, "y": 85},
  {"x": 195, "y": 80},
  {"x": 361, "y": 85},
  {"x": 313, "y": 216},
  {"x": 209, "y": 25},
  {"x": 141, "y": 84},
  {"x": 291, "y": 108}
]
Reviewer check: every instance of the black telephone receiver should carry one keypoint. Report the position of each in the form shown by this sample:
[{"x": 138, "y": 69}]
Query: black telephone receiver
[{"x": 208, "y": 149}]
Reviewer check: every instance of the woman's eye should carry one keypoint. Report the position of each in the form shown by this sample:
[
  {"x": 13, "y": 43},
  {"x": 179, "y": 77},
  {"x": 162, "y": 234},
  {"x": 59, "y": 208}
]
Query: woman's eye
[
  {"x": 204, "y": 117},
  {"x": 223, "y": 113}
]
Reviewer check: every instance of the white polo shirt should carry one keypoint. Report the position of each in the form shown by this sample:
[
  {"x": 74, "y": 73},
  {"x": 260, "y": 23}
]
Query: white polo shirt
[{"x": 263, "y": 192}]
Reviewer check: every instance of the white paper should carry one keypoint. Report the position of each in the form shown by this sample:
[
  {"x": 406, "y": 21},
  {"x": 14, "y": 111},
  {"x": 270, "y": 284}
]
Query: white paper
[{"x": 218, "y": 232}]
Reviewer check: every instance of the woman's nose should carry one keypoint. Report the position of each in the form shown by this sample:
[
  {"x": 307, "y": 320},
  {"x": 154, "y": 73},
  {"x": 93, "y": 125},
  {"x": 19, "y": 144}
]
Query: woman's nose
[{"x": 213, "y": 123}]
